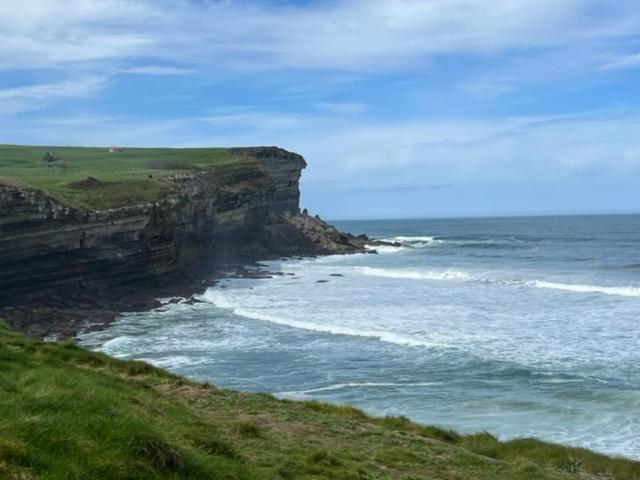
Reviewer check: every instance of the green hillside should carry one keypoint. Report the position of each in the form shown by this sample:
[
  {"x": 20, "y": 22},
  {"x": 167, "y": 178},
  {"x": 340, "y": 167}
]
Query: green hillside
[
  {"x": 70, "y": 413},
  {"x": 119, "y": 177}
]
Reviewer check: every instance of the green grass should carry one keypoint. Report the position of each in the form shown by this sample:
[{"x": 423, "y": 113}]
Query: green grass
[
  {"x": 68, "y": 413},
  {"x": 124, "y": 175}
]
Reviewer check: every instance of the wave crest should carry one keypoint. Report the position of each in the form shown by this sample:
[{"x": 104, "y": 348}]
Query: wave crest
[
  {"x": 416, "y": 274},
  {"x": 217, "y": 298},
  {"x": 414, "y": 241},
  {"x": 622, "y": 291},
  {"x": 386, "y": 248}
]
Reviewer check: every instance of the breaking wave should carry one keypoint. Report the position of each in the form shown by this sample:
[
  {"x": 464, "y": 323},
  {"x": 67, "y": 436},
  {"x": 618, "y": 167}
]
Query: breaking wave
[
  {"x": 423, "y": 241},
  {"x": 408, "y": 239},
  {"x": 217, "y": 298},
  {"x": 415, "y": 274},
  {"x": 386, "y": 248},
  {"x": 622, "y": 291},
  {"x": 413, "y": 242}
]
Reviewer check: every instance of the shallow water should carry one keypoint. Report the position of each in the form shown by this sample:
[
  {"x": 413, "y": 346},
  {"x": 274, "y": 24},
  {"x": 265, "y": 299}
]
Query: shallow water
[{"x": 517, "y": 326}]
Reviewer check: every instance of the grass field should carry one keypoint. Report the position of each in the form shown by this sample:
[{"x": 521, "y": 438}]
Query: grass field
[
  {"x": 122, "y": 176},
  {"x": 70, "y": 413}
]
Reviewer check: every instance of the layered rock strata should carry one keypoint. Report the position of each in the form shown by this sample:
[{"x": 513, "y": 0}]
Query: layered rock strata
[{"x": 87, "y": 262}]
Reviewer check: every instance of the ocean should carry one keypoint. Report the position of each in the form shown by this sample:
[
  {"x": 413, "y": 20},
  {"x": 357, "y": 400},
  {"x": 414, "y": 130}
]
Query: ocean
[{"x": 515, "y": 326}]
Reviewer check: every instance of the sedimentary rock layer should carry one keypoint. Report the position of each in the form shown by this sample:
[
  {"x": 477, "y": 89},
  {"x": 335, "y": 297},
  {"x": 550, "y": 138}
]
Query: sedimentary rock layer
[
  {"x": 45, "y": 246},
  {"x": 62, "y": 264}
]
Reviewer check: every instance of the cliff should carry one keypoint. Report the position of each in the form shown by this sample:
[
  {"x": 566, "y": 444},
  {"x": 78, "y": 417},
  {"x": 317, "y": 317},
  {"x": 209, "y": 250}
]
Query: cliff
[
  {"x": 82, "y": 243},
  {"x": 44, "y": 245},
  {"x": 284, "y": 169}
]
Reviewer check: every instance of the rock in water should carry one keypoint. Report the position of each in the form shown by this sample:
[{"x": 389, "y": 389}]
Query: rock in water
[{"x": 302, "y": 234}]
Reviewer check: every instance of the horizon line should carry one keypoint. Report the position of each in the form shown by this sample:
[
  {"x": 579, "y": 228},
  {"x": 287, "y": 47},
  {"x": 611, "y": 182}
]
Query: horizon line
[{"x": 488, "y": 217}]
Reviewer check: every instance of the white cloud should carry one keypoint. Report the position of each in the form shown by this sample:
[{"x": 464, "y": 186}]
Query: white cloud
[
  {"x": 373, "y": 35},
  {"x": 158, "y": 70},
  {"x": 361, "y": 35},
  {"x": 347, "y": 154},
  {"x": 485, "y": 49},
  {"x": 30, "y": 97},
  {"x": 73, "y": 88},
  {"x": 342, "y": 108},
  {"x": 622, "y": 62},
  {"x": 537, "y": 41},
  {"x": 506, "y": 150},
  {"x": 55, "y": 33}
]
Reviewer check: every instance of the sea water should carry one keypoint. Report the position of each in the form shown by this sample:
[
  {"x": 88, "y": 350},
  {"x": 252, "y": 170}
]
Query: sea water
[{"x": 516, "y": 326}]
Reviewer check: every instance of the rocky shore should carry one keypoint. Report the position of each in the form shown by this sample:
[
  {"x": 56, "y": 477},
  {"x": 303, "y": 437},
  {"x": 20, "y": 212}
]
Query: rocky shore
[
  {"x": 63, "y": 313},
  {"x": 64, "y": 269}
]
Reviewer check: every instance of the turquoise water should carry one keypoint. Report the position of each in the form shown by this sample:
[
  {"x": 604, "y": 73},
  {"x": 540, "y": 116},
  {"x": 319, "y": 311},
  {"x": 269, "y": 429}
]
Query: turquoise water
[{"x": 517, "y": 326}]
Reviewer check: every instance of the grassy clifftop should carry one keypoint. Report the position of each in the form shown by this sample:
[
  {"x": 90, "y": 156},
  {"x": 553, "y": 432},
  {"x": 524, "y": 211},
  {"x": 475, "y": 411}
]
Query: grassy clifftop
[
  {"x": 70, "y": 413},
  {"x": 119, "y": 177}
]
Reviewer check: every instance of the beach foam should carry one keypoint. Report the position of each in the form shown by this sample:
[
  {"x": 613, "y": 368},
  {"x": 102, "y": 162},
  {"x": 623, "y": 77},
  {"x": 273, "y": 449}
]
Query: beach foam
[{"x": 579, "y": 288}]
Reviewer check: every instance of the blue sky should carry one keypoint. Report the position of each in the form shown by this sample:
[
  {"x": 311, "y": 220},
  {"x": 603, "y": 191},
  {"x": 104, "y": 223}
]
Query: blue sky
[{"x": 403, "y": 108}]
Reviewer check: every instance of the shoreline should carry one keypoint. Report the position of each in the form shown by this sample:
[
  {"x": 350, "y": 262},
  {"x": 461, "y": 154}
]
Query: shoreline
[
  {"x": 229, "y": 299},
  {"x": 61, "y": 318},
  {"x": 65, "y": 313},
  {"x": 171, "y": 426}
]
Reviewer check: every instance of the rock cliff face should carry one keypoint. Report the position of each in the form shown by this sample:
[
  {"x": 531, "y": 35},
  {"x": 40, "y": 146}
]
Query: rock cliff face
[
  {"x": 284, "y": 169},
  {"x": 45, "y": 246},
  {"x": 50, "y": 253}
]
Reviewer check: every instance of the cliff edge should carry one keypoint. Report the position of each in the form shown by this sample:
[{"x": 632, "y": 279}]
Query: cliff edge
[{"x": 80, "y": 227}]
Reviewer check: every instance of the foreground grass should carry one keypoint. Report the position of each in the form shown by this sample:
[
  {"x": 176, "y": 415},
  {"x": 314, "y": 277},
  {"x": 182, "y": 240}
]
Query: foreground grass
[
  {"x": 123, "y": 175},
  {"x": 66, "y": 412}
]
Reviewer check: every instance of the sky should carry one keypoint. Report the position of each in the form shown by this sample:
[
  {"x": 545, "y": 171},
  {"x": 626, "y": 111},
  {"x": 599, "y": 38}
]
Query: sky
[{"x": 402, "y": 108}]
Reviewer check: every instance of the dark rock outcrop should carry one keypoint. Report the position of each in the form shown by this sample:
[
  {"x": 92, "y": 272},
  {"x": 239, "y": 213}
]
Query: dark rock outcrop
[{"x": 302, "y": 234}]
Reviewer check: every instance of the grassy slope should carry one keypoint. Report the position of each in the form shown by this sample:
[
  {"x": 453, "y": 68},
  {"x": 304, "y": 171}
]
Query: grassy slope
[
  {"x": 125, "y": 174},
  {"x": 70, "y": 413}
]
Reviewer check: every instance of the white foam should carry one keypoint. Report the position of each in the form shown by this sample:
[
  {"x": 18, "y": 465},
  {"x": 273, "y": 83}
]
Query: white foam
[
  {"x": 413, "y": 242},
  {"x": 217, "y": 298},
  {"x": 415, "y": 274},
  {"x": 170, "y": 300},
  {"x": 386, "y": 248},
  {"x": 409, "y": 239},
  {"x": 117, "y": 342},
  {"x": 173, "y": 362},
  {"x": 344, "y": 386},
  {"x": 622, "y": 291},
  {"x": 625, "y": 291}
]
